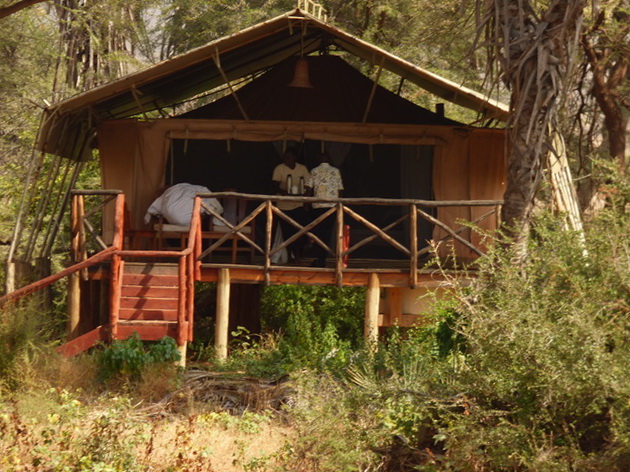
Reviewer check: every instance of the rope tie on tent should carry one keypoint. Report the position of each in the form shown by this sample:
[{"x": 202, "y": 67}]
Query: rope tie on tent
[
  {"x": 186, "y": 142},
  {"x": 373, "y": 91},
  {"x": 217, "y": 62},
  {"x": 136, "y": 97}
]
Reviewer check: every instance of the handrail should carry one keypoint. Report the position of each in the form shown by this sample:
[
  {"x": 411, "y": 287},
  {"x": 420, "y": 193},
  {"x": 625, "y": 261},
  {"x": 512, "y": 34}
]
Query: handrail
[
  {"x": 417, "y": 209},
  {"x": 85, "y": 192},
  {"x": 45, "y": 282},
  {"x": 354, "y": 201},
  {"x": 154, "y": 253},
  {"x": 80, "y": 226},
  {"x": 117, "y": 255}
]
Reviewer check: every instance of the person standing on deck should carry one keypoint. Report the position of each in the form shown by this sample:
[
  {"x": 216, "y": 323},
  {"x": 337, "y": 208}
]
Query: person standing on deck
[
  {"x": 325, "y": 182},
  {"x": 289, "y": 178}
]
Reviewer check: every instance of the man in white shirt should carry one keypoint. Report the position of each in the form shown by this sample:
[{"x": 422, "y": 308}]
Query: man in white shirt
[
  {"x": 325, "y": 182},
  {"x": 289, "y": 178},
  {"x": 176, "y": 204}
]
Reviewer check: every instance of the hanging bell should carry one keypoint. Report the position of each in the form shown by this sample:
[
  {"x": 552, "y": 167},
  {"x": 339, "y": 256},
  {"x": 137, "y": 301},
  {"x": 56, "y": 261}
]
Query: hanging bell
[{"x": 300, "y": 76}]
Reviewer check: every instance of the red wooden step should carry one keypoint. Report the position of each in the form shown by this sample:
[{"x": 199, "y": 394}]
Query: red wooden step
[
  {"x": 147, "y": 303},
  {"x": 154, "y": 268},
  {"x": 149, "y": 291},
  {"x": 151, "y": 314},
  {"x": 151, "y": 279},
  {"x": 149, "y": 330}
]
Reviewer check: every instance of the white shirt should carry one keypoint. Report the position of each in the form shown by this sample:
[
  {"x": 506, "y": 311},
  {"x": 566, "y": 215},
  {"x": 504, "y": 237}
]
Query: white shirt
[
  {"x": 325, "y": 180},
  {"x": 280, "y": 174},
  {"x": 176, "y": 204}
]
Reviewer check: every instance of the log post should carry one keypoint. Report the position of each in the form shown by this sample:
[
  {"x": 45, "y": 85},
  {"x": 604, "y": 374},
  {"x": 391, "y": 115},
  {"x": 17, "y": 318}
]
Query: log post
[
  {"x": 222, "y": 314},
  {"x": 9, "y": 282},
  {"x": 339, "y": 246},
  {"x": 74, "y": 280},
  {"x": 182, "y": 317},
  {"x": 372, "y": 299},
  {"x": 413, "y": 246},
  {"x": 117, "y": 268},
  {"x": 74, "y": 304},
  {"x": 268, "y": 239}
]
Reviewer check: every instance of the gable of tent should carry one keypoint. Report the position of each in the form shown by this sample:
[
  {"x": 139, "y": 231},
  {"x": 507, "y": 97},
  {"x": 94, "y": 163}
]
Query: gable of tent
[{"x": 68, "y": 128}]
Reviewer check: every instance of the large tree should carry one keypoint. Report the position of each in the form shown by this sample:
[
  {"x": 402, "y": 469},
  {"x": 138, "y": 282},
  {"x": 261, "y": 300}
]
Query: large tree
[{"x": 534, "y": 47}]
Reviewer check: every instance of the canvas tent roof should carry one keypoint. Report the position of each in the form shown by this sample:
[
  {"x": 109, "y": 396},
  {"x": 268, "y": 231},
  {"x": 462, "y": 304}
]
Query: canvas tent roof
[
  {"x": 340, "y": 93},
  {"x": 68, "y": 127}
]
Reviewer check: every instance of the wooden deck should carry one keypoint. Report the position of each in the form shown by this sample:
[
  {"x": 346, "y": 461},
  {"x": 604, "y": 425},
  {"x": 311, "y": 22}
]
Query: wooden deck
[
  {"x": 351, "y": 277},
  {"x": 391, "y": 273},
  {"x": 151, "y": 291}
]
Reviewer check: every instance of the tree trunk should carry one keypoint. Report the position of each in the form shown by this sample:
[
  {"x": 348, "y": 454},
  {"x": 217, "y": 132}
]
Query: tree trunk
[{"x": 535, "y": 53}]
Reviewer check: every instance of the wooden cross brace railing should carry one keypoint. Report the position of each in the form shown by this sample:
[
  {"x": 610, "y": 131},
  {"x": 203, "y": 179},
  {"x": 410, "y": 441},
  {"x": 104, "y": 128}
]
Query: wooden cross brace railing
[
  {"x": 80, "y": 220},
  {"x": 339, "y": 209}
]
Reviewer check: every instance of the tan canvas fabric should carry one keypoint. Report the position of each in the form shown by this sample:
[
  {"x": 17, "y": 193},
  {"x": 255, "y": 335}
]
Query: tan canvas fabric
[
  {"x": 133, "y": 158},
  {"x": 150, "y": 170},
  {"x": 487, "y": 178},
  {"x": 450, "y": 182},
  {"x": 118, "y": 144},
  {"x": 469, "y": 167}
]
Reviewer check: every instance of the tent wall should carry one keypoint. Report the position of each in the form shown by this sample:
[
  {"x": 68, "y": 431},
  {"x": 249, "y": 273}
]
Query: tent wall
[
  {"x": 471, "y": 166},
  {"x": 133, "y": 159},
  {"x": 468, "y": 164}
]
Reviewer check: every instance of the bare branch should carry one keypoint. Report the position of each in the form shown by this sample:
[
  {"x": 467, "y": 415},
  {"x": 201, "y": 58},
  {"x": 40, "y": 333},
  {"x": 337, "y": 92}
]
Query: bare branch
[{"x": 16, "y": 7}]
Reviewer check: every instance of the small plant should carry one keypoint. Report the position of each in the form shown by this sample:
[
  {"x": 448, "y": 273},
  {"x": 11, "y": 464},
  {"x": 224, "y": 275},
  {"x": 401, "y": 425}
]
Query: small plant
[{"x": 130, "y": 357}]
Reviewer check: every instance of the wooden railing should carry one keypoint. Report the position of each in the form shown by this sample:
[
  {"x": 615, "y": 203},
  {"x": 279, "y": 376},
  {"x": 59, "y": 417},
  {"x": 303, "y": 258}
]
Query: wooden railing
[
  {"x": 82, "y": 262},
  {"x": 313, "y": 9},
  {"x": 344, "y": 210},
  {"x": 188, "y": 265},
  {"x": 84, "y": 223}
]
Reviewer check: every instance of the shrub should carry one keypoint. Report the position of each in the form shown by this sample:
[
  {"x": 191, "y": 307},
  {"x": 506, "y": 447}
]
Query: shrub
[
  {"x": 129, "y": 358},
  {"x": 524, "y": 371},
  {"x": 321, "y": 326}
]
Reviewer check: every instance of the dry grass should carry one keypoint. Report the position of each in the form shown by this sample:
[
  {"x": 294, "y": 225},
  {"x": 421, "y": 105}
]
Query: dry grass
[
  {"x": 72, "y": 374},
  {"x": 53, "y": 430}
]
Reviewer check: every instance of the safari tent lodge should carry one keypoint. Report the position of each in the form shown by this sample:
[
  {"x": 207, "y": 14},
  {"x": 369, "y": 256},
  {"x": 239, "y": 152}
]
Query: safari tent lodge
[{"x": 221, "y": 116}]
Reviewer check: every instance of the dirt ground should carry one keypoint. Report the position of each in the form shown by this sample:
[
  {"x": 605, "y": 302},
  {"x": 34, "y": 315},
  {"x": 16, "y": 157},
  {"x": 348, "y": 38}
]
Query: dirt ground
[{"x": 203, "y": 443}]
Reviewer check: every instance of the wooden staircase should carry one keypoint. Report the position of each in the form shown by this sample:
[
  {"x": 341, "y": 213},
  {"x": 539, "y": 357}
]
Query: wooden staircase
[
  {"x": 149, "y": 301},
  {"x": 148, "y": 298}
]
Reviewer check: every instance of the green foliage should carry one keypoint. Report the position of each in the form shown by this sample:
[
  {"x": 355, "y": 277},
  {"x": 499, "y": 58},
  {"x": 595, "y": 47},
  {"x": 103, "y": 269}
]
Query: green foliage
[
  {"x": 335, "y": 432},
  {"x": 524, "y": 371},
  {"x": 304, "y": 327},
  {"x": 105, "y": 443},
  {"x": 129, "y": 358},
  {"x": 192, "y": 23},
  {"x": 321, "y": 325}
]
